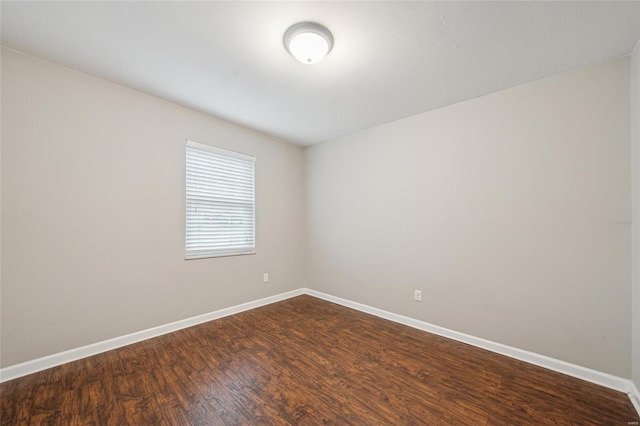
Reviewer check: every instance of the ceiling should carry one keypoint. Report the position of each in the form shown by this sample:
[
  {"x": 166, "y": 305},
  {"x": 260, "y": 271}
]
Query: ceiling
[{"x": 390, "y": 59}]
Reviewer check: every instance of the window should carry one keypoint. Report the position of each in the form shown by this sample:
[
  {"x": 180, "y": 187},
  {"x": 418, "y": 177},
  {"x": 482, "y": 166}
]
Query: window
[{"x": 220, "y": 187}]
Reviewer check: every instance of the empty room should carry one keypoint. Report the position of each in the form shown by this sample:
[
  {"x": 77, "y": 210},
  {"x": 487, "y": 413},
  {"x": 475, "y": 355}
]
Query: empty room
[{"x": 305, "y": 213}]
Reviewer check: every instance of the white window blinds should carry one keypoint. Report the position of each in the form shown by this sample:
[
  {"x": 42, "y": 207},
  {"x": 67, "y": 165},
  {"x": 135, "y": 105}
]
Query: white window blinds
[{"x": 220, "y": 187}]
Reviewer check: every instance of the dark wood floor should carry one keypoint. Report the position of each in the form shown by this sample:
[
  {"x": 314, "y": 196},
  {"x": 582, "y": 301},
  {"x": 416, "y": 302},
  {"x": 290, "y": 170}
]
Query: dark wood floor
[{"x": 306, "y": 361}]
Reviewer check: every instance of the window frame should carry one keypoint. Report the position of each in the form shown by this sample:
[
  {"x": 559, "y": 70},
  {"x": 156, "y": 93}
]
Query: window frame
[{"x": 229, "y": 154}]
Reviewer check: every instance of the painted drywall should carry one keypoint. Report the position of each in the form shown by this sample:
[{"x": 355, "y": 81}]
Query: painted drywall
[
  {"x": 511, "y": 213},
  {"x": 635, "y": 167},
  {"x": 93, "y": 212}
]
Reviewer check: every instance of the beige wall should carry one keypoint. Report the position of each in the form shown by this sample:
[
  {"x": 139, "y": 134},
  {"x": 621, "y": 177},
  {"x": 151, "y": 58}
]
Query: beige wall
[
  {"x": 635, "y": 159},
  {"x": 511, "y": 213},
  {"x": 93, "y": 212}
]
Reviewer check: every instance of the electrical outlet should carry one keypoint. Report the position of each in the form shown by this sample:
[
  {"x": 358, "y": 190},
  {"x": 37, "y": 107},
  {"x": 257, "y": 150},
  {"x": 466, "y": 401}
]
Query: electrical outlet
[
  {"x": 265, "y": 278},
  {"x": 418, "y": 296}
]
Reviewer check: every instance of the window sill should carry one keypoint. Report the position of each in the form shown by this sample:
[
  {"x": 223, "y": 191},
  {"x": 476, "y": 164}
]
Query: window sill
[{"x": 208, "y": 256}]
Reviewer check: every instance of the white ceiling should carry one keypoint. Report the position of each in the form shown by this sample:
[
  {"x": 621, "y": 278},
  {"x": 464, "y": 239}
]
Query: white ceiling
[{"x": 390, "y": 59}]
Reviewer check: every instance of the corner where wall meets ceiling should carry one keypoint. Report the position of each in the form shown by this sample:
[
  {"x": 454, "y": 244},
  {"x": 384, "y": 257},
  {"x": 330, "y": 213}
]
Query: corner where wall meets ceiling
[{"x": 390, "y": 60}]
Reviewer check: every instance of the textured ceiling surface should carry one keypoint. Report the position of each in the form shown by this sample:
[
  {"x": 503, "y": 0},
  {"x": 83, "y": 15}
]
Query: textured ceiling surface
[{"x": 390, "y": 59}]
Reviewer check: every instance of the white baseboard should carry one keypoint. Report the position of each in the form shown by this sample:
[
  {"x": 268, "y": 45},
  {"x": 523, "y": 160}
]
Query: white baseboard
[
  {"x": 593, "y": 376},
  {"x": 634, "y": 396},
  {"x": 39, "y": 364}
]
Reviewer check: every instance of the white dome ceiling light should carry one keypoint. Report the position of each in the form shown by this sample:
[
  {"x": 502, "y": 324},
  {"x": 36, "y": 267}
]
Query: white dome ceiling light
[{"x": 308, "y": 42}]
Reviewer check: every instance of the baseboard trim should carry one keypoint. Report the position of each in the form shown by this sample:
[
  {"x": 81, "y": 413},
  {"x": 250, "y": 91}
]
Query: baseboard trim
[
  {"x": 634, "y": 396},
  {"x": 590, "y": 375},
  {"x": 593, "y": 376},
  {"x": 39, "y": 364}
]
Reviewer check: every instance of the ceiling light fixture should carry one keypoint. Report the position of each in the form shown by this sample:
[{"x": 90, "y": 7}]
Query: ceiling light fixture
[{"x": 308, "y": 42}]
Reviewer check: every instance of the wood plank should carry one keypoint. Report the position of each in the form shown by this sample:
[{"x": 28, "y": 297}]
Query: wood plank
[{"x": 305, "y": 361}]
